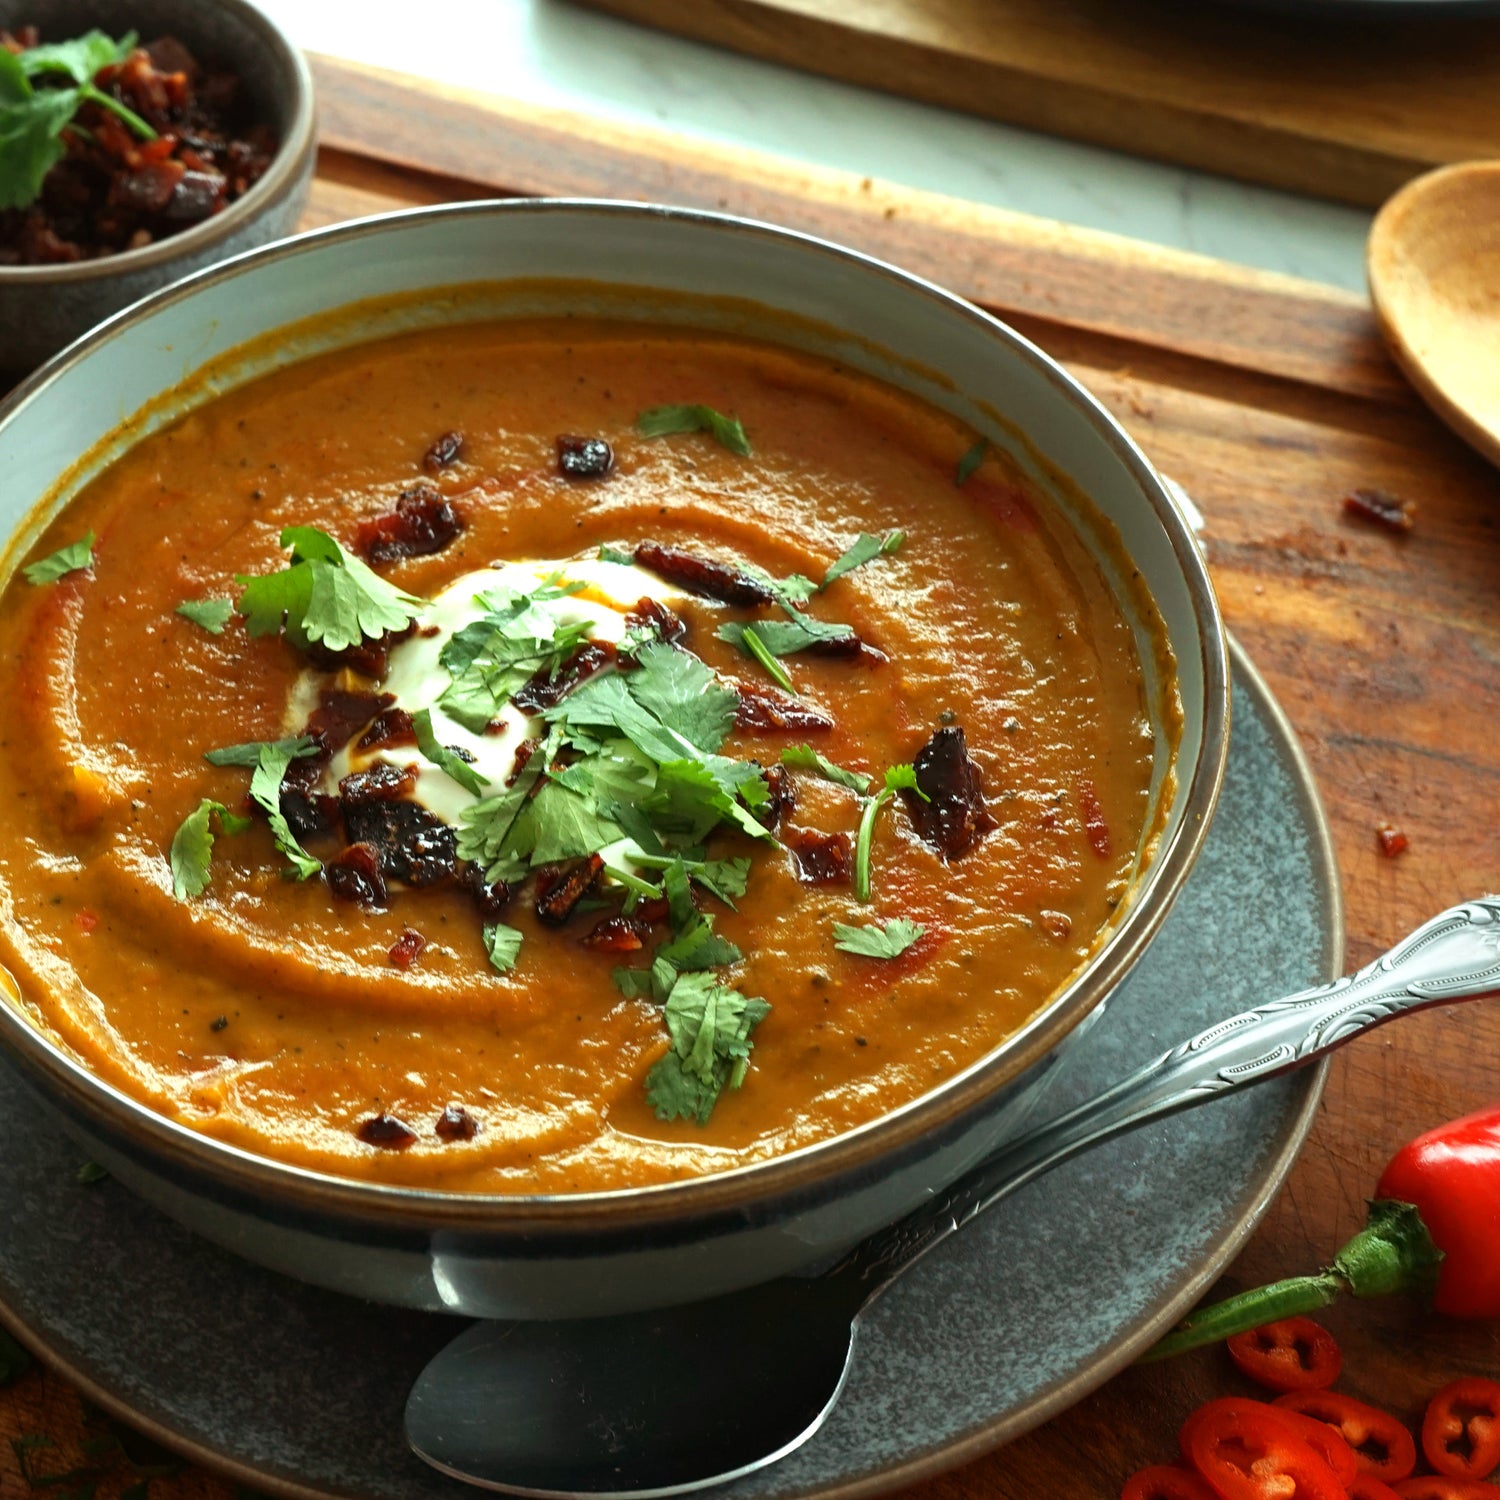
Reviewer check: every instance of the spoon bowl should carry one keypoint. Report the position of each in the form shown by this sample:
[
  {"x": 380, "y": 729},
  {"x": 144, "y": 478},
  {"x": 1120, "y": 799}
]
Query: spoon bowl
[{"x": 1433, "y": 263}]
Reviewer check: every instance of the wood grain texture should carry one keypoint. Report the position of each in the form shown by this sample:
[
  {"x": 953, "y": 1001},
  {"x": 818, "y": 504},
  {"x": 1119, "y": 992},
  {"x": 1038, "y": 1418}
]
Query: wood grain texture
[
  {"x": 1346, "y": 108},
  {"x": 1384, "y": 651}
]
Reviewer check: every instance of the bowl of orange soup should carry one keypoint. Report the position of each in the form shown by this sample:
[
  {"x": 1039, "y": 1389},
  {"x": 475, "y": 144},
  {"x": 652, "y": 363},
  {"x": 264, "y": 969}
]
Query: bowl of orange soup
[{"x": 571, "y": 756}]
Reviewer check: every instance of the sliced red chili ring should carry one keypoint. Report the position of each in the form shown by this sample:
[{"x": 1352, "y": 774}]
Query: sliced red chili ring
[
  {"x": 1442, "y": 1487},
  {"x": 1461, "y": 1431},
  {"x": 1295, "y": 1354},
  {"x": 1166, "y": 1482},
  {"x": 1368, "y": 1487},
  {"x": 1247, "y": 1451},
  {"x": 1328, "y": 1443},
  {"x": 1382, "y": 1446}
]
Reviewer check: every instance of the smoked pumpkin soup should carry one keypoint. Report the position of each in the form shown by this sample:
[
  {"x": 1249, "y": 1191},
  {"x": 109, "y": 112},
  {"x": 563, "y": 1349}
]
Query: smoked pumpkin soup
[{"x": 552, "y": 756}]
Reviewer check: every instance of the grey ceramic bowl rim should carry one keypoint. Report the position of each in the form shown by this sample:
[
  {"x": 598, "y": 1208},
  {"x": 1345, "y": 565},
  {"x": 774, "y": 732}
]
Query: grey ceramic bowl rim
[
  {"x": 279, "y": 179},
  {"x": 818, "y": 1169}
]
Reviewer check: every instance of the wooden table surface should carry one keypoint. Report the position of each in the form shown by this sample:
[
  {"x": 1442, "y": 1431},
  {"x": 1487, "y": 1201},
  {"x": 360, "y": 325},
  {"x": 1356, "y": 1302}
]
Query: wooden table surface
[{"x": 1269, "y": 399}]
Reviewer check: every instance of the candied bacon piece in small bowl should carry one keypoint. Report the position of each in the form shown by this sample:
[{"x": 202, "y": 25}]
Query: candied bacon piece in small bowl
[{"x": 205, "y": 149}]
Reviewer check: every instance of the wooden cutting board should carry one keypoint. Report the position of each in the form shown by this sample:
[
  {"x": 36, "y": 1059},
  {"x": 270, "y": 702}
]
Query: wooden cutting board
[
  {"x": 1269, "y": 399},
  {"x": 1345, "y": 107}
]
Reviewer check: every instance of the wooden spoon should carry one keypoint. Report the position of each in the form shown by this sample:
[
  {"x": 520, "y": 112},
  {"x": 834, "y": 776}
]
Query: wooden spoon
[{"x": 1433, "y": 262}]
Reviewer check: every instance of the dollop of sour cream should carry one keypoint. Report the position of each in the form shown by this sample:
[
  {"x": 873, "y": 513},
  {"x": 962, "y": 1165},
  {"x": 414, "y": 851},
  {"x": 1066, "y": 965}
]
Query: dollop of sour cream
[{"x": 417, "y": 679}]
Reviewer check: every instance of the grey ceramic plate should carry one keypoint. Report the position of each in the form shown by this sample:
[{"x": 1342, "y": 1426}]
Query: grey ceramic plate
[{"x": 299, "y": 1392}]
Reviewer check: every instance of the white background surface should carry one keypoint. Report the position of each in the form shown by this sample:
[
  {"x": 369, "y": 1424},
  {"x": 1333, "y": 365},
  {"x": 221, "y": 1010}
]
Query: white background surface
[{"x": 550, "y": 52}]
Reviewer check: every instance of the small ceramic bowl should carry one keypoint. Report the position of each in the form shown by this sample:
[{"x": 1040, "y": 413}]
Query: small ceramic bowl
[
  {"x": 591, "y": 1253},
  {"x": 44, "y": 308}
]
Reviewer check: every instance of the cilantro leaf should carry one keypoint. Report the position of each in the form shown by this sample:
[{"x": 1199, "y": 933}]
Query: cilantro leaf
[
  {"x": 81, "y": 58},
  {"x": 675, "y": 883},
  {"x": 212, "y": 614},
  {"x": 324, "y": 596},
  {"x": 559, "y": 824},
  {"x": 70, "y": 559},
  {"x": 15, "y": 87},
  {"x": 448, "y": 761},
  {"x": 265, "y": 791},
  {"x": 503, "y": 944},
  {"x": 878, "y": 940},
  {"x": 784, "y": 637},
  {"x": 698, "y": 946},
  {"x": 684, "y": 693},
  {"x": 710, "y": 1027},
  {"x": 248, "y": 754},
  {"x": 634, "y": 984},
  {"x": 866, "y": 548},
  {"x": 724, "y": 878},
  {"x": 971, "y": 462},
  {"x": 485, "y": 829},
  {"x": 31, "y": 127},
  {"x": 193, "y": 846},
  {"x": 660, "y": 421},
  {"x": 610, "y": 554},
  {"x": 805, "y": 758},
  {"x": 904, "y": 778}
]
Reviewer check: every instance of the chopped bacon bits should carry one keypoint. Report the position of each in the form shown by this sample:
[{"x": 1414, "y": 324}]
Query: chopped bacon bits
[
  {"x": 765, "y": 710},
  {"x": 544, "y": 690},
  {"x": 583, "y": 457},
  {"x": 954, "y": 817},
  {"x": 1381, "y": 508},
  {"x": 391, "y": 726},
  {"x": 410, "y": 843},
  {"x": 382, "y": 782},
  {"x": 847, "y": 648},
  {"x": 1093, "y": 819},
  {"x": 113, "y": 191},
  {"x": 445, "y": 451},
  {"x": 1391, "y": 840},
  {"x": 490, "y": 897},
  {"x": 782, "y": 802},
  {"x": 560, "y": 892},
  {"x": 651, "y": 614},
  {"x": 822, "y": 858},
  {"x": 367, "y": 657},
  {"x": 355, "y": 876},
  {"x": 339, "y": 715},
  {"x": 618, "y": 934},
  {"x": 422, "y": 523},
  {"x": 704, "y": 576},
  {"x": 456, "y": 1124},
  {"x": 407, "y": 949},
  {"x": 308, "y": 812},
  {"x": 387, "y": 1132}
]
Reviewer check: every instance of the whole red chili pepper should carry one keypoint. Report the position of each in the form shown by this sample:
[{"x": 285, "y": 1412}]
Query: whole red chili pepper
[{"x": 1433, "y": 1229}]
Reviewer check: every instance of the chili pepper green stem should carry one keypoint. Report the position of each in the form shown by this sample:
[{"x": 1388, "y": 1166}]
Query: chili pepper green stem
[{"x": 1392, "y": 1253}]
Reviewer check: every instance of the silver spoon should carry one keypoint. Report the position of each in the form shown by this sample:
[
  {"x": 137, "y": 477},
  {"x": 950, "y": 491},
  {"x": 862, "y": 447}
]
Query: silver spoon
[{"x": 663, "y": 1402}]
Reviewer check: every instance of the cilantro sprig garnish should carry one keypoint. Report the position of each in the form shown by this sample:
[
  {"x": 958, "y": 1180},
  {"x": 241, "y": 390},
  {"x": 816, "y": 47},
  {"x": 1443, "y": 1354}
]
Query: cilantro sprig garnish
[
  {"x": 878, "y": 939},
  {"x": 32, "y": 120},
  {"x": 503, "y": 944},
  {"x": 73, "y": 558},
  {"x": 323, "y": 596},
  {"x": 709, "y": 1022},
  {"x": 193, "y": 845},
  {"x": 663, "y": 421},
  {"x": 786, "y": 637},
  {"x": 896, "y": 779}
]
